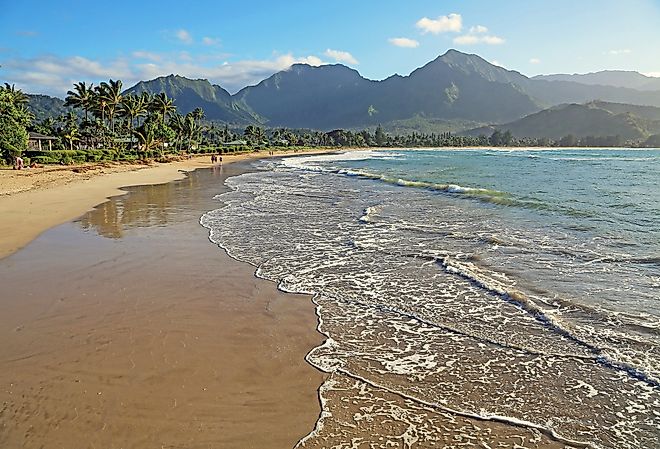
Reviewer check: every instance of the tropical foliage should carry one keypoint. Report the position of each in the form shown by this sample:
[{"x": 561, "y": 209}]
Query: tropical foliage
[{"x": 14, "y": 120}]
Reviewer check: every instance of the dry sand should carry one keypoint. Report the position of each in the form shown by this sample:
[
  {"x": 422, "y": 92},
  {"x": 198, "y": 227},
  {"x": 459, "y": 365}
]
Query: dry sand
[{"x": 128, "y": 329}]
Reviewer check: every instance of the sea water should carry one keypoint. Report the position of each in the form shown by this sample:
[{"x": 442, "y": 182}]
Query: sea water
[{"x": 469, "y": 298}]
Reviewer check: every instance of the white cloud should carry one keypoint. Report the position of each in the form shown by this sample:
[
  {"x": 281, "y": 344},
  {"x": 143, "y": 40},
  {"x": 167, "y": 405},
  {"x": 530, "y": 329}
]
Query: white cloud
[
  {"x": 623, "y": 51},
  {"x": 473, "y": 39},
  {"x": 443, "y": 24},
  {"x": 535, "y": 61},
  {"x": 184, "y": 36},
  {"x": 341, "y": 56},
  {"x": 55, "y": 75},
  {"x": 404, "y": 42},
  {"x": 496, "y": 62},
  {"x": 210, "y": 41},
  {"x": 146, "y": 55},
  {"x": 479, "y": 29},
  {"x": 652, "y": 74}
]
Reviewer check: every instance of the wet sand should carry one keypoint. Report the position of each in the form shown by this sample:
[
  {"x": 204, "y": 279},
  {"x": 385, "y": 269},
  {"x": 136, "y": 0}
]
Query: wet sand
[{"x": 128, "y": 329}]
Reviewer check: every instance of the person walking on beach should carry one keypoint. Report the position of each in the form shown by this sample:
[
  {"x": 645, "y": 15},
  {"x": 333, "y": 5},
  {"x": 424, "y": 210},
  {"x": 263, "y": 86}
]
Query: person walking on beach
[
  {"x": 220, "y": 159},
  {"x": 213, "y": 159}
]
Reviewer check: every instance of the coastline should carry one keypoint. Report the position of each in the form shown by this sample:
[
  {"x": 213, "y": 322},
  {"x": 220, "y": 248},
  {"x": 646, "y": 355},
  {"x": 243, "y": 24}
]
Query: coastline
[
  {"x": 29, "y": 208},
  {"x": 127, "y": 327}
]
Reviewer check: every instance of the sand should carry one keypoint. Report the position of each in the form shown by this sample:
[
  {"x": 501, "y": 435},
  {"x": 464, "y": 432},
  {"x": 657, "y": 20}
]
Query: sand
[
  {"x": 128, "y": 329},
  {"x": 34, "y": 200}
]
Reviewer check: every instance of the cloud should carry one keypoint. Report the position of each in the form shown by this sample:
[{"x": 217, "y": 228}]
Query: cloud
[
  {"x": 146, "y": 55},
  {"x": 443, "y": 24},
  {"x": 404, "y": 42},
  {"x": 184, "y": 36},
  {"x": 497, "y": 63},
  {"x": 54, "y": 75},
  {"x": 341, "y": 56},
  {"x": 535, "y": 61},
  {"x": 210, "y": 41},
  {"x": 479, "y": 29},
  {"x": 623, "y": 51},
  {"x": 652, "y": 74},
  {"x": 473, "y": 39}
]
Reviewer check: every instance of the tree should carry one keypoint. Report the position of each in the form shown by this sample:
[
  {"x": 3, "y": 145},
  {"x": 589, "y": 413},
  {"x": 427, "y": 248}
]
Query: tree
[
  {"x": 132, "y": 107},
  {"x": 496, "y": 138},
  {"x": 380, "y": 136},
  {"x": 111, "y": 96},
  {"x": 81, "y": 97},
  {"x": 162, "y": 105},
  {"x": 14, "y": 119}
]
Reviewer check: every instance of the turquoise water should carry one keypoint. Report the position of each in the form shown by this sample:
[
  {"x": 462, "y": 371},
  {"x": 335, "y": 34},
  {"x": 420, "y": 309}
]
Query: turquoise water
[
  {"x": 459, "y": 288},
  {"x": 614, "y": 192},
  {"x": 606, "y": 200}
]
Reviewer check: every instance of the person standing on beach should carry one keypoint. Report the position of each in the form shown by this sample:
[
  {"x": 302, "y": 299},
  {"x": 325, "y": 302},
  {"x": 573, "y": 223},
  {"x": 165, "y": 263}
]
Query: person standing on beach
[{"x": 19, "y": 163}]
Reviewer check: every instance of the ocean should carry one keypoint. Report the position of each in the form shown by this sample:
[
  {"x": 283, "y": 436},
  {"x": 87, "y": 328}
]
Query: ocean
[{"x": 469, "y": 298}]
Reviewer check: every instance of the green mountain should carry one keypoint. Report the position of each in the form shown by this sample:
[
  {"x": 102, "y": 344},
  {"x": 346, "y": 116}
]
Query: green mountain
[
  {"x": 189, "y": 94},
  {"x": 582, "y": 120},
  {"x": 455, "y": 91},
  {"x": 615, "y": 78},
  {"x": 303, "y": 96},
  {"x": 452, "y": 87},
  {"x": 44, "y": 106}
]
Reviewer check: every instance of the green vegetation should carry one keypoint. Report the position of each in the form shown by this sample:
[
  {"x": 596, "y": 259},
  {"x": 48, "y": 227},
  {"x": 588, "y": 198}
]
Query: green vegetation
[
  {"x": 591, "y": 124},
  {"x": 14, "y": 119}
]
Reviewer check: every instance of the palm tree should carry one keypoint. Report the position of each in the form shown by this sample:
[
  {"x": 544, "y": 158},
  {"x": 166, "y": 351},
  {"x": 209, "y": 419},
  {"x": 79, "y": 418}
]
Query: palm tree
[
  {"x": 190, "y": 128},
  {"x": 99, "y": 101},
  {"x": 112, "y": 96},
  {"x": 132, "y": 107},
  {"x": 198, "y": 114},
  {"x": 178, "y": 124},
  {"x": 81, "y": 97},
  {"x": 162, "y": 105},
  {"x": 17, "y": 97}
]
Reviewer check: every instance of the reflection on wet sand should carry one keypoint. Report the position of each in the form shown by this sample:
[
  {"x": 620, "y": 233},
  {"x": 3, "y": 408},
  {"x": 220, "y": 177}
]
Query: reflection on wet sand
[{"x": 146, "y": 206}]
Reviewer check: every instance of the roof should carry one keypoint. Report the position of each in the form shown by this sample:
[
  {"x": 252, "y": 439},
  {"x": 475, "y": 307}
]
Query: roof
[
  {"x": 236, "y": 142},
  {"x": 39, "y": 136}
]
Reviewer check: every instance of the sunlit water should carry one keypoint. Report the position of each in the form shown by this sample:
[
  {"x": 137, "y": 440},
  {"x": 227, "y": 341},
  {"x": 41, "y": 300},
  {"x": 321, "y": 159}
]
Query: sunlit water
[{"x": 512, "y": 291}]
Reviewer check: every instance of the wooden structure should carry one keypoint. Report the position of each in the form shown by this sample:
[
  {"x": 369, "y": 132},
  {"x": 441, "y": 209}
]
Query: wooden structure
[{"x": 35, "y": 141}]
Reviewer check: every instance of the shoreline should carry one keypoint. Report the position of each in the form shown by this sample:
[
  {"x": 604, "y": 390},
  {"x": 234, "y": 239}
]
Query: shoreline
[
  {"x": 68, "y": 194},
  {"x": 140, "y": 332}
]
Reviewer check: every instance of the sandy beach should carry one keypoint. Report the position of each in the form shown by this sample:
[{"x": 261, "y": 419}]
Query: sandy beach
[
  {"x": 127, "y": 328},
  {"x": 34, "y": 200}
]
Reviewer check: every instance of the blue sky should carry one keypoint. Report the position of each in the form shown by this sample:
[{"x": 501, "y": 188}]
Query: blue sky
[{"x": 45, "y": 46}]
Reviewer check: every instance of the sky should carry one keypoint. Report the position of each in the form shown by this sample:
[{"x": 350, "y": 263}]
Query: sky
[{"x": 46, "y": 46}]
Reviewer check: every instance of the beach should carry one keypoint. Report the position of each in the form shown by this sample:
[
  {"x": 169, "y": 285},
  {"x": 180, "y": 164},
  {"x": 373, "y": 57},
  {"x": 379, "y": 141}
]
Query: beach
[
  {"x": 127, "y": 328},
  {"x": 421, "y": 311}
]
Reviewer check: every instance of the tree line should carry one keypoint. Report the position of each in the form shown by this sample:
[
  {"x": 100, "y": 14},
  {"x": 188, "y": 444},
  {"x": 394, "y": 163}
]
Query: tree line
[{"x": 107, "y": 123}]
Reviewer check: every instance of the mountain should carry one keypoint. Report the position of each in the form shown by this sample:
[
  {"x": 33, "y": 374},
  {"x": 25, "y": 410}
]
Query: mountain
[
  {"x": 304, "y": 96},
  {"x": 615, "y": 78},
  {"x": 453, "y": 86},
  {"x": 44, "y": 106},
  {"x": 454, "y": 91},
  {"x": 596, "y": 119},
  {"x": 189, "y": 94}
]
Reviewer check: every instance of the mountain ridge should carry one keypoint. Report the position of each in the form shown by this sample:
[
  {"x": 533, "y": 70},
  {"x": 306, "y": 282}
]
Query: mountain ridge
[{"x": 454, "y": 86}]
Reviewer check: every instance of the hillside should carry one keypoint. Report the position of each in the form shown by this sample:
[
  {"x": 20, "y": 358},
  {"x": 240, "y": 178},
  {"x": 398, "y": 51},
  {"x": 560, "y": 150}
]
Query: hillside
[
  {"x": 44, "y": 106},
  {"x": 615, "y": 78},
  {"x": 451, "y": 91},
  {"x": 189, "y": 94},
  {"x": 581, "y": 120}
]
